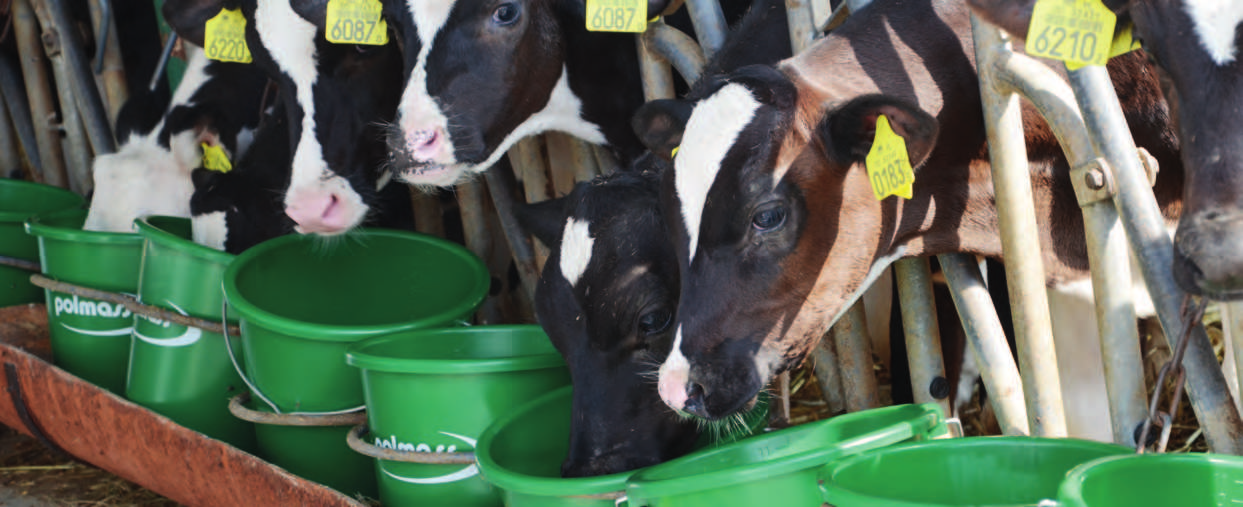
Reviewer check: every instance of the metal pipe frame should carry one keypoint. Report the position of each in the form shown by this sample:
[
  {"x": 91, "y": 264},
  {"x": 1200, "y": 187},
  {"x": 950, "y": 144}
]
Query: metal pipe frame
[
  {"x": 988, "y": 341},
  {"x": 19, "y": 114},
  {"x": 802, "y": 24},
  {"x": 854, "y": 353},
  {"x": 108, "y": 64},
  {"x": 855, "y": 5},
  {"x": 919, "y": 322},
  {"x": 501, "y": 185},
  {"x": 54, "y": 16},
  {"x": 1017, "y": 223},
  {"x": 1231, "y": 313},
  {"x": 39, "y": 92},
  {"x": 709, "y": 22},
  {"x": 1106, "y": 241},
  {"x": 676, "y": 48},
  {"x": 828, "y": 376},
  {"x": 1145, "y": 227},
  {"x": 654, "y": 70},
  {"x": 10, "y": 159},
  {"x": 76, "y": 148}
]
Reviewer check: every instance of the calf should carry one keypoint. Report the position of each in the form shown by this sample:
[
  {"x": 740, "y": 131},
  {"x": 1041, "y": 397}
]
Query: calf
[
  {"x": 216, "y": 103},
  {"x": 1195, "y": 43},
  {"x": 482, "y": 75},
  {"x": 771, "y": 210},
  {"x": 334, "y": 96}
]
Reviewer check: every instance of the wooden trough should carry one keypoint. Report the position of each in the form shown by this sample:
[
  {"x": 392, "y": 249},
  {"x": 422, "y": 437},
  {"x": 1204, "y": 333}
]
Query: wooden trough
[{"x": 107, "y": 431}]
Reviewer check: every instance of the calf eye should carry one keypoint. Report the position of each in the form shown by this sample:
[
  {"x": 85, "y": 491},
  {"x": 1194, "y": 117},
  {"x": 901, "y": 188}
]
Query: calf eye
[
  {"x": 655, "y": 321},
  {"x": 505, "y": 14},
  {"x": 769, "y": 218}
]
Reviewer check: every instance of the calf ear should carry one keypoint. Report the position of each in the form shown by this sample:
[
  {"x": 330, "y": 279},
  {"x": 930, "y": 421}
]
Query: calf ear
[
  {"x": 544, "y": 220},
  {"x": 659, "y": 125},
  {"x": 188, "y": 17},
  {"x": 315, "y": 11},
  {"x": 848, "y": 131}
]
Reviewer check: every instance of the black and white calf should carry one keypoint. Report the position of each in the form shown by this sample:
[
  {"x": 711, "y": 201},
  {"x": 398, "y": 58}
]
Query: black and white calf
[{"x": 216, "y": 103}]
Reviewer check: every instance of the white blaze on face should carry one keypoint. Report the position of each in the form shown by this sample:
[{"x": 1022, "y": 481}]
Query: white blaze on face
[
  {"x": 291, "y": 42},
  {"x": 576, "y": 245},
  {"x": 1215, "y": 22},
  {"x": 710, "y": 132},
  {"x": 209, "y": 229},
  {"x": 674, "y": 375},
  {"x": 417, "y": 109}
]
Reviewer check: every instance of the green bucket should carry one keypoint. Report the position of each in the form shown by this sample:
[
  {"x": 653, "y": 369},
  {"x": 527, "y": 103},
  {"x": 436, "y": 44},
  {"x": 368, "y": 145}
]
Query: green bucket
[
  {"x": 992, "y": 471},
  {"x": 183, "y": 372},
  {"x": 90, "y": 338},
  {"x": 19, "y": 201},
  {"x": 437, "y": 390},
  {"x": 301, "y": 302},
  {"x": 521, "y": 453},
  {"x": 778, "y": 468},
  {"x": 318, "y": 453},
  {"x": 1201, "y": 480}
]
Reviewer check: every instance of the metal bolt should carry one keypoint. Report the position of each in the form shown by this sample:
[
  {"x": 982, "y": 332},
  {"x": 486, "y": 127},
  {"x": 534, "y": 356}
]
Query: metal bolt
[
  {"x": 939, "y": 388},
  {"x": 1095, "y": 179}
]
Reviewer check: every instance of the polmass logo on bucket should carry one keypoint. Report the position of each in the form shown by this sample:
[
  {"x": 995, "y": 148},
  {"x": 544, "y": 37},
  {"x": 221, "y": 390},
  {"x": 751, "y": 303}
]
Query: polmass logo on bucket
[
  {"x": 166, "y": 334},
  {"x": 93, "y": 317},
  {"x": 465, "y": 473}
]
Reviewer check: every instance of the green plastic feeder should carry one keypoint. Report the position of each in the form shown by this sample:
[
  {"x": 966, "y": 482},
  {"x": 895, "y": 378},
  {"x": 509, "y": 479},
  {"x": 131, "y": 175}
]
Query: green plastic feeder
[
  {"x": 781, "y": 467},
  {"x": 438, "y": 390},
  {"x": 317, "y": 453},
  {"x": 301, "y": 302},
  {"x": 1192, "y": 480},
  {"x": 980, "y": 471},
  {"x": 521, "y": 453},
  {"x": 183, "y": 372},
  {"x": 19, "y": 201},
  {"x": 90, "y": 338}
]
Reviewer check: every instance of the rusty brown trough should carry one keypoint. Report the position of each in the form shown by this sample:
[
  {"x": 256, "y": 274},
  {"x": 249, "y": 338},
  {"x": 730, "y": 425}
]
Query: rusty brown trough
[{"x": 128, "y": 440}]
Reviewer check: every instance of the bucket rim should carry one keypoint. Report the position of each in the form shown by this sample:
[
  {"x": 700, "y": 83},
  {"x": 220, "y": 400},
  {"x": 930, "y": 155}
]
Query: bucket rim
[
  {"x": 164, "y": 238},
  {"x": 30, "y": 186},
  {"x": 255, "y": 315},
  {"x": 1070, "y": 492},
  {"x": 358, "y": 356},
  {"x": 960, "y": 445},
  {"x": 35, "y": 226},
  {"x": 737, "y": 474},
  {"x": 516, "y": 482}
]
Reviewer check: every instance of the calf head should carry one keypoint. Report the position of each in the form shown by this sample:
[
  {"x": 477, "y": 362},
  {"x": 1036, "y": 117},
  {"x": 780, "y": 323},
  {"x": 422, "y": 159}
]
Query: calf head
[
  {"x": 606, "y": 298},
  {"x": 775, "y": 227},
  {"x": 334, "y": 95},
  {"x": 480, "y": 75}
]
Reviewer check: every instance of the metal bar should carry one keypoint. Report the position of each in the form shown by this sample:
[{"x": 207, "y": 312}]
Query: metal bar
[
  {"x": 501, "y": 185},
  {"x": 39, "y": 92},
  {"x": 709, "y": 22},
  {"x": 654, "y": 70},
  {"x": 606, "y": 163},
  {"x": 825, "y": 367},
  {"x": 474, "y": 218},
  {"x": 919, "y": 322},
  {"x": 54, "y": 16},
  {"x": 108, "y": 64},
  {"x": 1145, "y": 227},
  {"x": 163, "y": 62},
  {"x": 528, "y": 162},
  {"x": 1017, "y": 222},
  {"x": 1106, "y": 241},
  {"x": 677, "y": 48},
  {"x": 429, "y": 218},
  {"x": 562, "y": 165},
  {"x": 854, "y": 353},
  {"x": 855, "y": 5},
  {"x": 76, "y": 148},
  {"x": 987, "y": 340},
  {"x": 1232, "y": 321},
  {"x": 802, "y": 24},
  {"x": 19, "y": 113},
  {"x": 584, "y": 159},
  {"x": 10, "y": 157}
]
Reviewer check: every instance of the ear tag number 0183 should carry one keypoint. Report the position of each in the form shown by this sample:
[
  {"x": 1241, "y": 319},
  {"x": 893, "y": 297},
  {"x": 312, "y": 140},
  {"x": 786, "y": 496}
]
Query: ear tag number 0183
[
  {"x": 214, "y": 158},
  {"x": 224, "y": 37},
  {"x": 356, "y": 22},
  {"x": 888, "y": 165},
  {"x": 617, "y": 16},
  {"x": 1078, "y": 32}
]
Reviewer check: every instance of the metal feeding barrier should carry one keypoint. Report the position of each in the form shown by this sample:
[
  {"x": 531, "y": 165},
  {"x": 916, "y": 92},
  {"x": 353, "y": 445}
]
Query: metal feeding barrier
[{"x": 1113, "y": 188}]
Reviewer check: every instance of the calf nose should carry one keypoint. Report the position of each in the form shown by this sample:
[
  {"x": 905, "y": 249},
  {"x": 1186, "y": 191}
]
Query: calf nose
[
  {"x": 1208, "y": 255},
  {"x": 425, "y": 145},
  {"x": 695, "y": 401},
  {"x": 319, "y": 213},
  {"x": 672, "y": 388}
]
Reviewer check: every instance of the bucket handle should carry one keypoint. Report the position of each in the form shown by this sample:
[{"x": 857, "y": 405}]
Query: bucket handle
[
  {"x": 887, "y": 436},
  {"x": 355, "y": 441},
  {"x": 228, "y": 346}
]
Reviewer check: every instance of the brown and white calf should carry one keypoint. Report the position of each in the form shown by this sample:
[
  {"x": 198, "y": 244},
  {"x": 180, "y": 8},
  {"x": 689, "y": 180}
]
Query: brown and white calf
[
  {"x": 772, "y": 213},
  {"x": 1195, "y": 43}
]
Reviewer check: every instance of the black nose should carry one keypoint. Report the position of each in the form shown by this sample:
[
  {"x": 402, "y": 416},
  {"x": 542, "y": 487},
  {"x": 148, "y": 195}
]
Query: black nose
[
  {"x": 1208, "y": 254},
  {"x": 695, "y": 404}
]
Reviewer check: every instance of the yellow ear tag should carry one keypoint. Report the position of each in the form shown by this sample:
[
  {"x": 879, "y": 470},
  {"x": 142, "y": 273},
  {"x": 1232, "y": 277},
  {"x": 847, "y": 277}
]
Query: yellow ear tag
[
  {"x": 214, "y": 159},
  {"x": 224, "y": 37},
  {"x": 888, "y": 165},
  {"x": 356, "y": 22},
  {"x": 1078, "y": 32},
  {"x": 617, "y": 16},
  {"x": 1123, "y": 43},
  {"x": 674, "y": 153}
]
